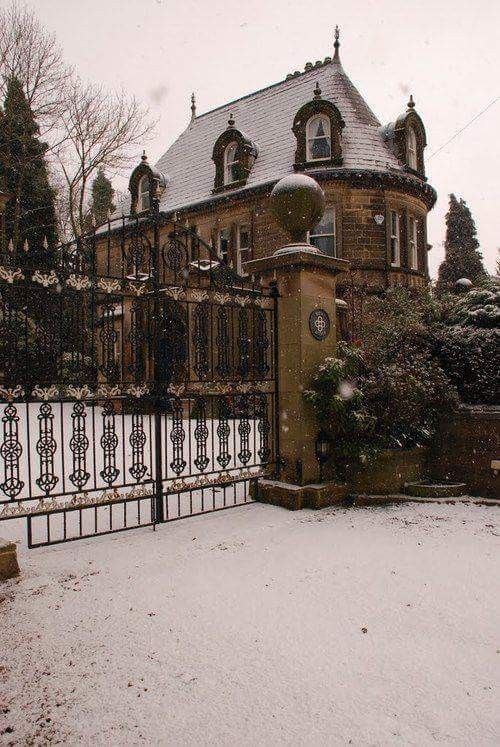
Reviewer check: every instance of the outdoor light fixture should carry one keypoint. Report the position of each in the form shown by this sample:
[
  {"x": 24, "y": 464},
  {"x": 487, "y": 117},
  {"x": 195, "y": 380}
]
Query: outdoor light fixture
[
  {"x": 323, "y": 450},
  {"x": 379, "y": 219}
]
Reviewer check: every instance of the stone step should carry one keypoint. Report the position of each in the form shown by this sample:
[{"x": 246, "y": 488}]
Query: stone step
[{"x": 423, "y": 489}]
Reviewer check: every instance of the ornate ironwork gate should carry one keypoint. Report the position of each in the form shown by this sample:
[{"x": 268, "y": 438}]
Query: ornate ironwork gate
[{"x": 137, "y": 381}]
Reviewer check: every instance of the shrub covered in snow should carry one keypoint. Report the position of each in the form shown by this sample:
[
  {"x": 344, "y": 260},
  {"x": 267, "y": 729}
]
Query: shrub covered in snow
[
  {"x": 365, "y": 408},
  {"x": 468, "y": 345}
]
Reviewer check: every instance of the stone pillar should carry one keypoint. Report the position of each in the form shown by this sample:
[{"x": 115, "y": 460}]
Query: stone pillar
[{"x": 306, "y": 329}]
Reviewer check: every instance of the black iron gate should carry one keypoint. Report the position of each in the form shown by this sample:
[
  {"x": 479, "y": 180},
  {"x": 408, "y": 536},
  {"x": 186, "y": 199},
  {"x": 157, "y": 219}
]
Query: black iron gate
[{"x": 137, "y": 381}]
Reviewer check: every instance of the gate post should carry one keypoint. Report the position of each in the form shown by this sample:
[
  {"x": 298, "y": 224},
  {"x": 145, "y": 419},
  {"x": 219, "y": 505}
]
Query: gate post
[{"x": 306, "y": 326}]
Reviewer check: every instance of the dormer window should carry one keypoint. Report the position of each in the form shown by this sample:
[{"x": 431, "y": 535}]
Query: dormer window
[
  {"x": 318, "y": 128},
  {"x": 144, "y": 183},
  {"x": 407, "y": 139},
  {"x": 319, "y": 143},
  {"x": 411, "y": 148},
  {"x": 234, "y": 155},
  {"x": 231, "y": 163},
  {"x": 143, "y": 195}
]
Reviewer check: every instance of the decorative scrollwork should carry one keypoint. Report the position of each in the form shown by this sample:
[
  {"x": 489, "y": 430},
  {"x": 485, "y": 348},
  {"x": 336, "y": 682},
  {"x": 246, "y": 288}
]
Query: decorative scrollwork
[
  {"x": 244, "y": 429},
  {"x": 105, "y": 390},
  {"x": 137, "y": 256},
  {"x": 201, "y": 340},
  {"x": 223, "y": 342},
  {"x": 201, "y": 435},
  {"x": 46, "y": 448},
  {"x": 109, "y": 286},
  {"x": 79, "y": 445},
  {"x": 136, "y": 340},
  {"x": 79, "y": 282},
  {"x": 137, "y": 441},
  {"x": 11, "y": 274},
  {"x": 45, "y": 278},
  {"x": 134, "y": 390},
  {"x": 175, "y": 254},
  {"x": 45, "y": 392},
  {"x": 199, "y": 295},
  {"x": 11, "y": 393},
  {"x": 109, "y": 444},
  {"x": 11, "y": 451},
  {"x": 262, "y": 344},
  {"x": 223, "y": 433},
  {"x": 177, "y": 437},
  {"x": 108, "y": 337},
  {"x": 264, "y": 429},
  {"x": 78, "y": 392},
  {"x": 177, "y": 293},
  {"x": 243, "y": 343}
]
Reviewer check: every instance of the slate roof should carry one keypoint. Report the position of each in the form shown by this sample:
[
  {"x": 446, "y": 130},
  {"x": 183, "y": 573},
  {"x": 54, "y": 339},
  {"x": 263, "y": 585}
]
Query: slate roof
[{"x": 266, "y": 118}]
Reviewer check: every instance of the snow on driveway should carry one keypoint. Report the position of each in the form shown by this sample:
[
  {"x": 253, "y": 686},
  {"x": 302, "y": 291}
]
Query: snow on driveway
[{"x": 257, "y": 626}]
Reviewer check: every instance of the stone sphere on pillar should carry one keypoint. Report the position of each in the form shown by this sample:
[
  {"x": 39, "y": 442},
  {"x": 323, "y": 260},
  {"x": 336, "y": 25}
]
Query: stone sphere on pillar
[{"x": 298, "y": 204}]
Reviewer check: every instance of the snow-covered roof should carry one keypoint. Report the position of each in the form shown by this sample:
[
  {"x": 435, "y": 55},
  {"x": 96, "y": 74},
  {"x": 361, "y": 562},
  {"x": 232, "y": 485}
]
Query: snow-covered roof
[{"x": 266, "y": 117}]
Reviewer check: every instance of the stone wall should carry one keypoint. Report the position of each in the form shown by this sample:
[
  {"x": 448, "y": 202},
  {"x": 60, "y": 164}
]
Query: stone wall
[
  {"x": 389, "y": 472},
  {"x": 360, "y": 239},
  {"x": 464, "y": 448}
]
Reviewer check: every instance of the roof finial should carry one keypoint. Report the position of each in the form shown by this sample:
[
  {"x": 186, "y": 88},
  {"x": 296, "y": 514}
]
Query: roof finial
[
  {"x": 336, "y": 45},
  {"x": 230, "y": 121},
  {"x": 411, "y": 103},
  {"x": 193, "y": 106},
  {"x": 317, "y": 91},
  {"x": 144, "y": 156}
]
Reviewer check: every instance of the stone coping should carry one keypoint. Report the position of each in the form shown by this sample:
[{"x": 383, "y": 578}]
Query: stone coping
[{"x": 297, "y": 255}]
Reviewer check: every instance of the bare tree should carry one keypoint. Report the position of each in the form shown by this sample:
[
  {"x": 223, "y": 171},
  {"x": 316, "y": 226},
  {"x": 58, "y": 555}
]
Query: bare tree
[
  {"x": 99, "y": 130},
  {"x": 31, "y": 54}
]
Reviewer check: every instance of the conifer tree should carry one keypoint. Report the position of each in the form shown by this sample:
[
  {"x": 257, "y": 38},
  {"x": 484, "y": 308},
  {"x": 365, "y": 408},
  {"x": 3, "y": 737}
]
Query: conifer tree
[
  {"x": 102, "y": 198},
  {"x": 30, "y": 211},
  {"x": 462, "y": 258}
]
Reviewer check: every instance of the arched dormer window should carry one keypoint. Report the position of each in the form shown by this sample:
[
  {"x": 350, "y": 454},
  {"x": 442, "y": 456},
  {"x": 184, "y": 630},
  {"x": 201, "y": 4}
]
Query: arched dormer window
[
  {"x": 319, "y": 141},
  {"x": 234, "y": 155},
  {"x": 144, "y": 194},
  {"x": 145, "y": 184},
  {"x": 317, "y": 127},
  {"x": 407, "y": 139},
  {"x": 231, "y": 163}
]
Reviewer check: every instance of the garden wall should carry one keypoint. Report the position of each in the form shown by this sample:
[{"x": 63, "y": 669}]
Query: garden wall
[
  {"x": 465, "y": 446},
  {"x": 390, "y": 471}
]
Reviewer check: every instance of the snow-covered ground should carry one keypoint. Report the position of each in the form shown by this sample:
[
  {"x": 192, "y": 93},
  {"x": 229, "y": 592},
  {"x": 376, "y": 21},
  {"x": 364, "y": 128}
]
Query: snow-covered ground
[{"x": 256, "y": 626}]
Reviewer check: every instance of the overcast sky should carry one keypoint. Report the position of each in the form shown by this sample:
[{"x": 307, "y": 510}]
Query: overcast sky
[{"x": 446, "y": 53}]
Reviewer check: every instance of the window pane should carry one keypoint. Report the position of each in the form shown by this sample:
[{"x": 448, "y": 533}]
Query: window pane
[
  {"x": 318, "y": 138},
  {"x": 224, "y": 242},
  {"x": 320, "y": 129},
  {"x": 234, "y": 171},
  {"x": 325, "y": 244},
  {"x": 244, "y": 237},
  {"x": 326, "y": 224},
  {"x": 320, "y": 148},
  {"x": 394, "y": 252},
  {"x": 394, "y": 224},
  {"x": 230, "y": 164}
]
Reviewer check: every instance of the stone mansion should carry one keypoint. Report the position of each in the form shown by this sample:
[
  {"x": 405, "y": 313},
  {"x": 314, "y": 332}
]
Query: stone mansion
[{"x": 218, "y": 174}]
